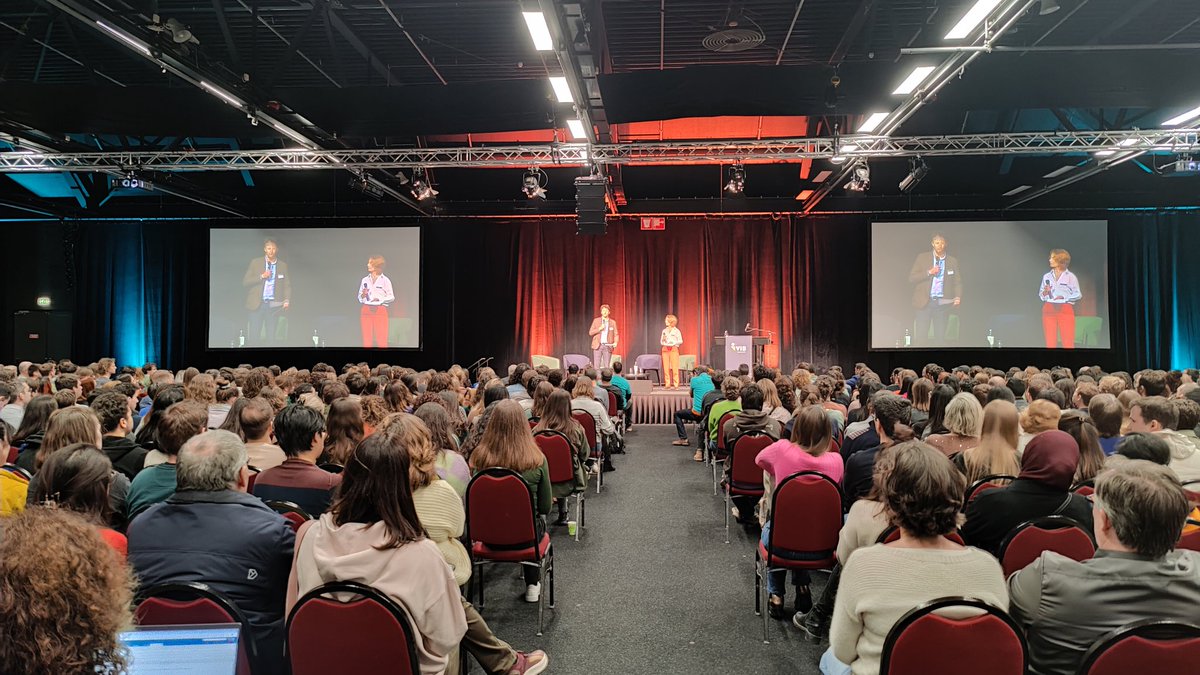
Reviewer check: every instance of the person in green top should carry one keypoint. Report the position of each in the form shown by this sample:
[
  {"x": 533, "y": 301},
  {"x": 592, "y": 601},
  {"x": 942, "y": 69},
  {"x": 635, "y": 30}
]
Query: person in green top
[
  {"x": 507, "y": 443},
  {"x": 157, "y": 483},
  {"x": 731, "y": 388}
]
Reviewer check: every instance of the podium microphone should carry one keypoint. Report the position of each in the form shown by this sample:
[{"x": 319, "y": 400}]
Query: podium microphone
[{"x": 747, "y": 328}]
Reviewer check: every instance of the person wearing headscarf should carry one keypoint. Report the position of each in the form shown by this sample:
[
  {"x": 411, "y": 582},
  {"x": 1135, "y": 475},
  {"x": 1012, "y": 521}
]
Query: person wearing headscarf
[{"x": 1042, "y": 488}]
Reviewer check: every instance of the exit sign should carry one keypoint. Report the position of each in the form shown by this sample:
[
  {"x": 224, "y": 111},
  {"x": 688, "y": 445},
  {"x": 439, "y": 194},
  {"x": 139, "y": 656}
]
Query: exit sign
[{"x": 654, "y": 223}]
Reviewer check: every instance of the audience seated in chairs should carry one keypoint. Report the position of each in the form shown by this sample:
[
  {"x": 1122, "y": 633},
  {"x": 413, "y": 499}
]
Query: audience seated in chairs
[
  {"x": 247, "y": 547},
  {"x": 372, "y": 535},
  {"x": 963, "y": 421},
  {"x": 584, "y": 400},
  {"x": 996, "y": 453},
  {"x": 64, "y": 595},
  {"x": 1091, "y": 456},
  {"x": 699, "y": 386},
  {"x": 556, "y": 416},
  {"x": 809, "y": 449},
  {"x": 78, "y": 477},
  {"x": 300, "y": 431},
  {"x": 1157, "y": 415},
  {"x": 892, "y": 415},
  {"x": 1042, "y": 488},
  {"x": 116, "y": 424},
  {"x": 156, "y": 484},
  {"x": 441, "y": 514},
  {"x": 344, "y": 430},
  {"x": 508, "y": 443},
  {"x": 1039, "y": 416},
  {"x": 731, "y": 389},
  {"x": 1066, "y": 605},
  {"x": 881, "y": 583},
  {"x": 257, "y": 421},
  {"x": 451, "y": 465}
]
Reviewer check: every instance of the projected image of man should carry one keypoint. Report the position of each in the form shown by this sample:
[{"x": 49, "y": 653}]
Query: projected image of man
[
  {"x": 937, "y": 287},
  {"x": 268, "y": 293},
  {"x": 375, "y": 294}
]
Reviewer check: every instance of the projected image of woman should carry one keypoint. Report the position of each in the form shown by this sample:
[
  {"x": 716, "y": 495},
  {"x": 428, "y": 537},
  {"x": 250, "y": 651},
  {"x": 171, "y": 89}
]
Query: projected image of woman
[
  {"x": 1059, "y": 292},
  {"x": 375, "y": 295}
]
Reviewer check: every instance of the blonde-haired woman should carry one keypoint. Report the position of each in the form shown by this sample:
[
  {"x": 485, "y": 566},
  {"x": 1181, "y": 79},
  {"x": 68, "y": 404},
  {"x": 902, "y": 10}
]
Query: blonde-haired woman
[
  {"x": 996, "y": 453},
  {"x": 772, "y": 403},
  {"x": 375, "y": 295},
  {"x": 963, "y": 421},
  {"x": 670, "y": 341},
  {"x": 1059, "y": 293}
]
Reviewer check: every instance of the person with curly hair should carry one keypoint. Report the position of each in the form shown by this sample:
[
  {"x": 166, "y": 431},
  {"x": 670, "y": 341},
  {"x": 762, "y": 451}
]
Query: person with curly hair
[
  {"x": 881, "y": 583},
  {"x": 64, "y": 596}
]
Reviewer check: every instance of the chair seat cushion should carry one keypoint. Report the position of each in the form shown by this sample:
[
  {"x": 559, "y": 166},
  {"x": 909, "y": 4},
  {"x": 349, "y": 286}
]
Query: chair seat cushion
[
  {"x": 827, "y": 560},
  {"x": 485, "y": 552}
]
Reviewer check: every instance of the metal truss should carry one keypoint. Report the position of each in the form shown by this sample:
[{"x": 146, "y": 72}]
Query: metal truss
[{"x": 838, "y": 149}]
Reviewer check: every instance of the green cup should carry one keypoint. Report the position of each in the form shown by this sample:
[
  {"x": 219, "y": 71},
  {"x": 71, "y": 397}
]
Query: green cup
[{"x": 571, "y": 527}]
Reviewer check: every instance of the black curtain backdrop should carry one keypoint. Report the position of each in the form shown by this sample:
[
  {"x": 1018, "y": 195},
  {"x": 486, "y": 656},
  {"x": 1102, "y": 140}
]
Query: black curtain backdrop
[{"x": 510, "y": 289}]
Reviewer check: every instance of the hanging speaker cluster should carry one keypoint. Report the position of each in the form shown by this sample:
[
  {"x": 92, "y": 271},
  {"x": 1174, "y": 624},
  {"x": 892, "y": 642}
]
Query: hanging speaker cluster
[{"x": 590, "y": 209}]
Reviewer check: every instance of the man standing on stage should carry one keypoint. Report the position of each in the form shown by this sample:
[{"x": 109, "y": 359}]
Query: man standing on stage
[
  {"x": 268, "y": 292},
  {"x": 938, "y": 288},
  {"x": 604, "y": 338}
]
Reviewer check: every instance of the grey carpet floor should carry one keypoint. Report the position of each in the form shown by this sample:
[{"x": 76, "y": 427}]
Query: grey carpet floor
[{"x": 651, "y": 587}]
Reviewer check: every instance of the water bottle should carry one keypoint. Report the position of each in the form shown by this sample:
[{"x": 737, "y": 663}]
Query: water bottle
[
  {"x": 991, "y": 338},
  {"x": 241, "y": 338},
  {"x": 316, "y": 339},
  {"x": 907, "y": 337}
]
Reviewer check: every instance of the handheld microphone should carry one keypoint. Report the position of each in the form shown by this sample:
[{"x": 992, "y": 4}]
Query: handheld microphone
[{"x": 747, "y": 328}]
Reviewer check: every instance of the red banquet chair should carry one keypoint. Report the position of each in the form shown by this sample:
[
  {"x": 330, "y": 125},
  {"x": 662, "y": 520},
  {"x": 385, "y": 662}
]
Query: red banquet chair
[
  {"x": 588, "y": 423},
  {"x": 1191, "y": 540},
  {"x": 745, "y": 478},
  {"x": 501, "y": 529},
  {"x": 983, "y": 485},
  {"x": 1028, "y": 540},
  {"x": 1147, "y": 646},
  {"x": 559, "y": 457},
  {"x": 806, "y": 516},
  {"x": 366, "y": 633},
  {"x": 1086, "y": 489},
  {"x": 189, "y": 603},
  {"x": 291, "y": 512},
  {"x": 892, "y": 533},
  {"x": 718, "y": 457},
  {"x": 928, "y": 642}
]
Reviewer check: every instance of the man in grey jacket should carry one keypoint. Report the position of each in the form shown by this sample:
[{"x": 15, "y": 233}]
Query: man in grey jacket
[{"x": 1064, "y": 606}]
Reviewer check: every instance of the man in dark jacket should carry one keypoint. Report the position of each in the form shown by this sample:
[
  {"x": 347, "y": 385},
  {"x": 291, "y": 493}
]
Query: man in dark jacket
[
  {"x": 116, "y": 421},
  {"x": 937, "y": 286},
  {"x": 212, "y": 532}
]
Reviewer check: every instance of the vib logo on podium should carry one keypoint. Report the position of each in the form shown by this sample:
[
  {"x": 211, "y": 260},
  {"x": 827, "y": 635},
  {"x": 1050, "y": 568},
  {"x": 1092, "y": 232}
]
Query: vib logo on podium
[{"x": 740, "y": 349}]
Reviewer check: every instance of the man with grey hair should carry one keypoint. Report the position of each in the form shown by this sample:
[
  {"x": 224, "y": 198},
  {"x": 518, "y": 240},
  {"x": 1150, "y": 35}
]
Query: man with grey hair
[
  {"x": 1139, "y": 511},
  {"x": 210, "y": 531}
]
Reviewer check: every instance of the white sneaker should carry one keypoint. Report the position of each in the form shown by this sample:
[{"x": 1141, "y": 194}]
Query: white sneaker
[{"x": 533, "y": 592}]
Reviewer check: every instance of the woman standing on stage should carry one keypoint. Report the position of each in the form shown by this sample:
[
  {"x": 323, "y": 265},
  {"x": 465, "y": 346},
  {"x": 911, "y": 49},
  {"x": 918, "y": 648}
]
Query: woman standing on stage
[
  {"x": 671, "y": 339},
  {"x": 375, "y": 294},
  {"x": 1059, "y": 293}
]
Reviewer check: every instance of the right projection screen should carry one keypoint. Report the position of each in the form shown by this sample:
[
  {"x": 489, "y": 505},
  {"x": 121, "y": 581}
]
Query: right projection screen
[{"x": 995, "y": 284}]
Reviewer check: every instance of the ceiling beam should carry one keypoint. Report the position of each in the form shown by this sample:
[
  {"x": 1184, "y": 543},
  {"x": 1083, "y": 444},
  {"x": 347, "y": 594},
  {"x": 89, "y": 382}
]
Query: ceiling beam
[
  {"x": 411, "y": 41},
  {"x": 226, "y": 34},
  {"x": 359, "y": 46},
  {"x": 856, "y": 23}
]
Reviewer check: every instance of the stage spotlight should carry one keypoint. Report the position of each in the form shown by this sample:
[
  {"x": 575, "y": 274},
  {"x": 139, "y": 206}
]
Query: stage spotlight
[
  {"x": 421, "y": 189},
  {"x": 534, "y": 183},
  {"x": 917, "y": 169},
  {"x": 737, "y": 180},
  {"x": 860, "y": 178}
]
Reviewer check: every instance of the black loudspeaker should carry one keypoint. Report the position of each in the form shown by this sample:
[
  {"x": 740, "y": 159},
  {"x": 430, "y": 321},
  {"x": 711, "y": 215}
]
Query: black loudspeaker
[
  {"x": 590, "y": 207},
  {"x": 41, "y": 335}
]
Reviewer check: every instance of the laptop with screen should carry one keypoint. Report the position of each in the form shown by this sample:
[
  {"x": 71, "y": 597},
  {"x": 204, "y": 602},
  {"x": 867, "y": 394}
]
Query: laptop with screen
[{"x": 209, "y": 649}]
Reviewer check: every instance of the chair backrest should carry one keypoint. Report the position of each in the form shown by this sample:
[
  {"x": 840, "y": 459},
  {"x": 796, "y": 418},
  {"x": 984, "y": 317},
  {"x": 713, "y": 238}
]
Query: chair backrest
[
  {"x": 291, "y": 512},
  {"x": 983, "y": 485},
  {"x": 806, "y": 514},
  {"x": 331, "y": 467},
  {"x": 500, "y": 510},
  {"x": 557, "y": 449},
  {"x": 744, "y": 473},
  {"x": 1191, "y": 540},
  {"x": 1060, "y": 534},
  {"x": 925, "y": 642},
  {"x": 189, "y": 603},
  {"x": 613, "y": 407},
  {"x": 721, "y": 430},
  {"x": 367, "y": 633},
  {"x": 252, "y": 479},
  {"x": 11, "y": 457},
  {"x": 892, "y": 533},
  {"x": 588, "y": 423},
  {"x": 1147, "y": 646}
]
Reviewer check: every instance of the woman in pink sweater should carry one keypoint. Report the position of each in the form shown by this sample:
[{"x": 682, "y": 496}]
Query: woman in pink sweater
[{"x": 807, "y": 450}]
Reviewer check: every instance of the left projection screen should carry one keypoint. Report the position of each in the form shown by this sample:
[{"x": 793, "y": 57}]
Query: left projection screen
[{"x": 301, "y": 287}]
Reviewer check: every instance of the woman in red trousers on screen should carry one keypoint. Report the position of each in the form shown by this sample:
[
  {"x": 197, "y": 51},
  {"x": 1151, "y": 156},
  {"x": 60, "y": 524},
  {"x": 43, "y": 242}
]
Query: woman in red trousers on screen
[
  {"x": 375, "y": 294},
  {"x": 1059, "y": 293},
  {"x": 671, "y": 339}
]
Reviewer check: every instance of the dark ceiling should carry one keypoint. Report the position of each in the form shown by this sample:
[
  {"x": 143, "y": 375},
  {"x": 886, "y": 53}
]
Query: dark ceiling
[{"x": 392, "y": 73}]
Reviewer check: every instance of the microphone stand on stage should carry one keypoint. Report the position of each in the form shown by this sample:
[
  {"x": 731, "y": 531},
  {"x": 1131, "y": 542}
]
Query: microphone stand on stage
[{"x": 751, "y": 330}]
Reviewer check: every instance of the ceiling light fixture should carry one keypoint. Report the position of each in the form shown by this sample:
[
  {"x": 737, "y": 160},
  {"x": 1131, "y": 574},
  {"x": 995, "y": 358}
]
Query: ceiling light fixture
[
  {"x": 914, "y": 80},
  {"x": 1128, "y": 142},
  {"x": 860, "y": 178},
  {"x": 1016, "y": 191},
  {"x": 533, "y": 183},
  {"x": 974, "y": 16},
  {"x": 421, "y": 189},
  {"x": 872, "y": 122},
  {"x": 539, "y": 31},
  {"x": 917, "y": 170},
  {"x": 294, "y": 135},
  {"x": 1180, "y": 119},
  {"x": 1105, "y": 153},
  {"x": 576, "y": 127},
  {"x": 737, "y": 180},
  {"x": 221, "y": 94},
  {"x": 561, "y": 90},
  {"x": 1059, "y": 171},
  {"x": 136, "y": 44},
  {"x": 1049, "y": 7}
]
